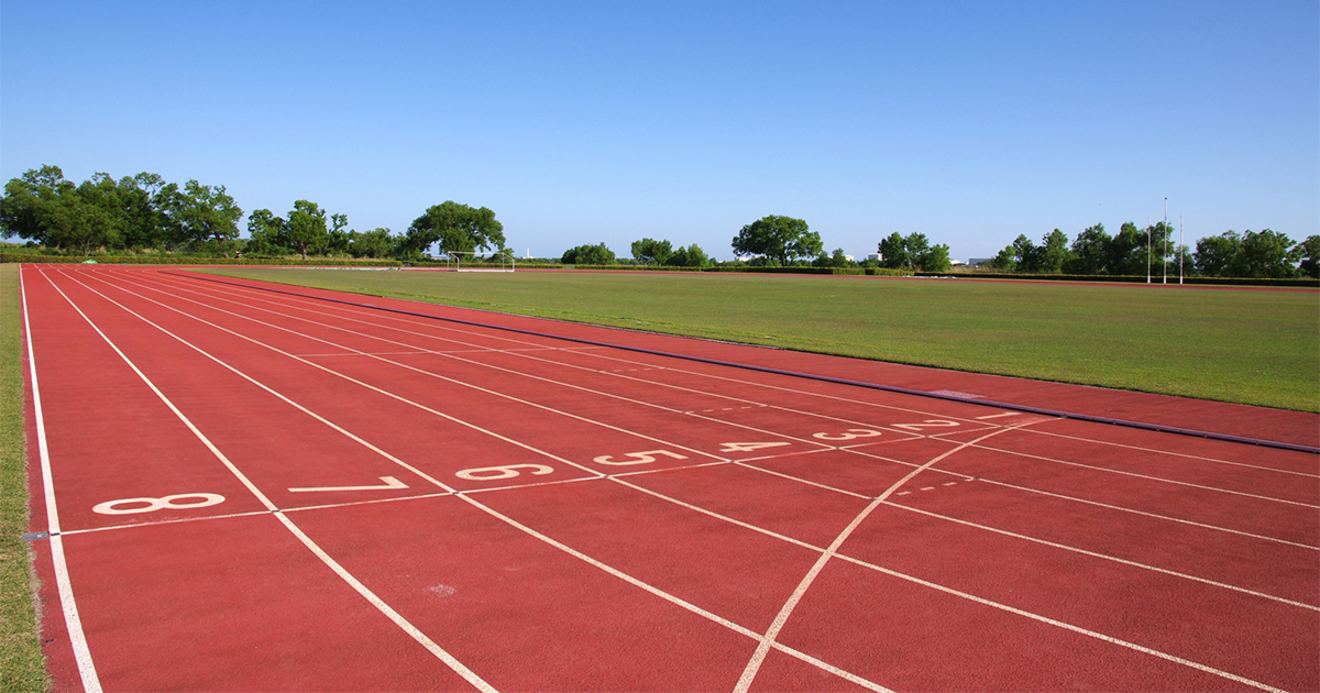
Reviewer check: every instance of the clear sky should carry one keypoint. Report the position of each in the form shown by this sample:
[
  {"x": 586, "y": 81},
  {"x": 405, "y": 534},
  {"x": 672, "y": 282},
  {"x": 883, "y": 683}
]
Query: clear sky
[{"x": 971, "y": 122}]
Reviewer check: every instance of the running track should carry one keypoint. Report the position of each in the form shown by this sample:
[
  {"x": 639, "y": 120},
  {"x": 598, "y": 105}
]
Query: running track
[{"x": 259, "y": 491}]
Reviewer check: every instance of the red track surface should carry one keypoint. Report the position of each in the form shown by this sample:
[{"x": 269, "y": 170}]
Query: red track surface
[{"x": 339, "y": 498}]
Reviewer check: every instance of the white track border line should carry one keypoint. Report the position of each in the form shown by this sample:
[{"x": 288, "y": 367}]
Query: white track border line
[
  {"x": 417, "y": 635},
  {"x": 825, "y": 666},
  {"x": 780, "y": 647},
  {"x": 73, "y": 623}
]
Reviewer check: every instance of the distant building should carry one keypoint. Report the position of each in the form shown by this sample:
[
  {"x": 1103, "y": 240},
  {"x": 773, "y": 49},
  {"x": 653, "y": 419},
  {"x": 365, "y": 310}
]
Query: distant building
[{"x": 876, "y": 256}]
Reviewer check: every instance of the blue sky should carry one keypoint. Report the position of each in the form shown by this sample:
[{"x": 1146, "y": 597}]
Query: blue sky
[{"x": 971, "y": 122}]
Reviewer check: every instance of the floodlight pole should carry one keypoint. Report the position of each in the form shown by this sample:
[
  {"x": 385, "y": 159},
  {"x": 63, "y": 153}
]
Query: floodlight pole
[{"x": 1147, "y": 250}]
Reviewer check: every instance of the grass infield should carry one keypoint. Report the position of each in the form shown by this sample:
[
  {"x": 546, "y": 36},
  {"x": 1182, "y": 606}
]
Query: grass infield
[
  {"x": 22, "y": 667},
  {"x": 1250, "y": 346}
]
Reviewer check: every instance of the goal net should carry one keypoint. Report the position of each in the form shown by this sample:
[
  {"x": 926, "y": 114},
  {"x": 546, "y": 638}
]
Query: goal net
[{"x": 479, "y": 261}]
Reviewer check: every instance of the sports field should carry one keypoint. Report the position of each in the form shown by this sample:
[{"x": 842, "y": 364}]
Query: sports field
[
  {"x": 1242, "y": 345},
  {"x": 238, "y": 485}
]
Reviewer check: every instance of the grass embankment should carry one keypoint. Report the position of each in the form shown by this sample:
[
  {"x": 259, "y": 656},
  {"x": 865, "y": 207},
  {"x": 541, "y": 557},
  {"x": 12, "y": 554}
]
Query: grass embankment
[
  {"x": 1248, "y": 346},
  {"x": 21, "y": 665}
]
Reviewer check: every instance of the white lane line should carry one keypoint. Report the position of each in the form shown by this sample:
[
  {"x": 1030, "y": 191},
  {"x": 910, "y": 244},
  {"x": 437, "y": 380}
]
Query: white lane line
[
  {"x": 420, "y": 637},
  {"x": 1051, "y": 621},
  {"x": 772, "y": 633},
  {"x": 319, "y": 309},
  {"x": 1172, "y": 453},
  {"x": 82, "y": 654},
  {"x": 1067, "y": 626},
  {"x": 528, "y": 530},
  {"x": 1107, "y": 557},
  {"x": 1148, "y": 477},
  {"x": 1098, "y": 504}
]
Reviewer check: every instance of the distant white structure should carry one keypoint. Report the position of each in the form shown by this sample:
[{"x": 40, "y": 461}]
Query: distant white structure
[{"x": 875, "y": 256}]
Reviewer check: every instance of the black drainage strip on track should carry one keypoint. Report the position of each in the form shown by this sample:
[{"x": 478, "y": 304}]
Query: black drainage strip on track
[{"x": 1211, "y": 435}]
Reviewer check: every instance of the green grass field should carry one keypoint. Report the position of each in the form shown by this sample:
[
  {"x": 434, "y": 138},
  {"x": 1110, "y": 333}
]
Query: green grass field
[
  {"x": 1235, "y": 345},
  {"x": 21, "y": 665}
]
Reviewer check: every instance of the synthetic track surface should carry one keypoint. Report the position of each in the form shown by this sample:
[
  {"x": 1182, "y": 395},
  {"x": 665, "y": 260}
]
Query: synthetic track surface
[{"x": 247, "y": 490}]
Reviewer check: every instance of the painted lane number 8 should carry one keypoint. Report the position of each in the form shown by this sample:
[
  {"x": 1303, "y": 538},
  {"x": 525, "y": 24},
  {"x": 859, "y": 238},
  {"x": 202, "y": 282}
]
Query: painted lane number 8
[{"x": 148, "y": 505}]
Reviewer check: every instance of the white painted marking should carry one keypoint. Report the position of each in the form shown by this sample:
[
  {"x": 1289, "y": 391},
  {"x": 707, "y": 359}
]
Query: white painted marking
[
  {"x": 366, "y": 593},
  {"x": 82, "y": 655},
  {"x": 154, "y": 504},
  {"x": 928, "y": 423},
  {"x": 850, "y": 434},
  {"x": 998, "y": 416},
  {"x": 507, "y": 471},
  {"x": 390, "y": 482},
  {"x": 772, "y": 633},
  {"x": 637, "y": 458},
  {"x": 750, "y": 447}
]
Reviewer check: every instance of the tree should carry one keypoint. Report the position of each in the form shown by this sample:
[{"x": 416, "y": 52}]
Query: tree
[
  {"x": 305, "y": 229},
  {"x": 782, "y": 238},
  {"x": 1268, "y": 254},
  {"x": 266, "y": 234},
  {"x": 1309, "y": 251},
  {"x": 457, "y": 228},
  {"x": 1054, "y": 252},
  {"x": 648, "y": 250},
  {"x": 376, "y": 243},
  {"x": 691, "y": 256},
  {"x": 936, "y": 259},
  {"x": 894, "y": 252},
  {"x": 597, "y": 254},
  {"x": 202, "y": 213},
  {"x": 44, "y": 207},
  {"x": 1215, "y": 255},
  {"x": 1089, "y": 251}
]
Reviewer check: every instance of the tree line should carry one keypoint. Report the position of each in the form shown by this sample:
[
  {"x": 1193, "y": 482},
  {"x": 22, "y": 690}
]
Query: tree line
[
  {"x": 145, "y": 213},
  {"x": 1134, "y": 252}
]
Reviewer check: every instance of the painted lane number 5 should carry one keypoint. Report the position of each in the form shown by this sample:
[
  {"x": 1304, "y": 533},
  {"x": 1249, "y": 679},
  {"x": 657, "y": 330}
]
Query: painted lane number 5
[{"x": 637, "y": 458}]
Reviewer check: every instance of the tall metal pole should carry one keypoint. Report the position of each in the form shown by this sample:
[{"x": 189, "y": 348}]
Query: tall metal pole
[
  {"x": 1182, "y": 250},
  {"x": 1165, "y": 260},
  {"x": 1147, "y": 250}
]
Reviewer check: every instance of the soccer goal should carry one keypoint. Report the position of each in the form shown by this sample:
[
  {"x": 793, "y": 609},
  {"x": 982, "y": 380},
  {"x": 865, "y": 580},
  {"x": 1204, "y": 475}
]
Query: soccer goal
[{"x": 479, "y": 261}]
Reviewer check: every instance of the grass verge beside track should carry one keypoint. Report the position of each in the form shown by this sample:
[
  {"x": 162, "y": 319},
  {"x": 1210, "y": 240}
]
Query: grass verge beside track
[
  {"x": 1235, "y": 345},
  {"x": 21, "y": 665}
]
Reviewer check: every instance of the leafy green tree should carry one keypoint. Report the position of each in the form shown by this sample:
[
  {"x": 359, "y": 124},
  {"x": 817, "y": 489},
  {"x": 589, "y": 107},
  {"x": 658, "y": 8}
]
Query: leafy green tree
[
  {"x": 1215, "y": 255},
  {"x": 339, "y": 236},
  {"x": 376, "y": 243},
  {"x": 266, "y": 234},
  {"x": 597, "y": 254},
  {"x": 1054, "y": 252},
  {"x": 44, "y": 207},
  {"x": 783, "y": 238},
  {"x": 935, "y": 259},
  {"x": 202, "y": 213},
  {"x": 457, "y": 228},
  {"x": 691, "y": 256},
  {"x": 1089, "y": 252},
  {"x": 1005, "y": 260},
  {"x": 894, "y": 252},
  {"x": 1309, "y": 251},
  {"x": 649, "y": 250},
  {"x": 305, "y": 230},
  {"x": 1268, "y": 254}
]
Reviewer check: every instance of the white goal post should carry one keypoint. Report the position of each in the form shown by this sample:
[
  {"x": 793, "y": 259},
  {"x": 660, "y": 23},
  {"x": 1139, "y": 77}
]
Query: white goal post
[{"x": 472, "y": 261}]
